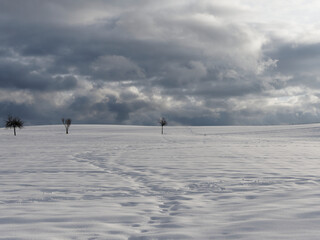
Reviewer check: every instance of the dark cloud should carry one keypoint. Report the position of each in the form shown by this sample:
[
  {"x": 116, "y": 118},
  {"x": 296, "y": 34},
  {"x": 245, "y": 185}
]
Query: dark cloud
[
  {"x": 130, "y": 62},
  {"x": 16, "y": 75},
  {"x": 296, "y": 58}
]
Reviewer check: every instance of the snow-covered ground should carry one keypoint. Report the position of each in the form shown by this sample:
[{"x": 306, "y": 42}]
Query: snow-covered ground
[{"x": 131, "y": 182}]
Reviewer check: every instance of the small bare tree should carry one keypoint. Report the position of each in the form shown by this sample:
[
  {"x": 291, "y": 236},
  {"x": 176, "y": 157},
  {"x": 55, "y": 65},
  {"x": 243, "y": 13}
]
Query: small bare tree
[
  {"x": 14, "y": 122},
  {"x": 66, "y": 123},
  {"x": 163, "y": 122}
]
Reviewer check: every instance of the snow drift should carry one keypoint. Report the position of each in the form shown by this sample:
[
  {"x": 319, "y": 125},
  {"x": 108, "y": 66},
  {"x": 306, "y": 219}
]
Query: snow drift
[{"x": 131, "y": 182}]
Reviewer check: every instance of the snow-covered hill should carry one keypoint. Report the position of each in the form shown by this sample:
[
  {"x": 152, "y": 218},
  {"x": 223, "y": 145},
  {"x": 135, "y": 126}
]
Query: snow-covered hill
[{"x": 131, "y": 182}]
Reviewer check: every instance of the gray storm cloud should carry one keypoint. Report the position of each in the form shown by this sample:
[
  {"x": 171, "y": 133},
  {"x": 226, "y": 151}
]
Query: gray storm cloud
[{"x": 124, "y": 62}]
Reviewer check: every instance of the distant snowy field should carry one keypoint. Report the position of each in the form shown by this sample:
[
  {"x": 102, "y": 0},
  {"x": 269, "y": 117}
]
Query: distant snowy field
[{"x": 131, "y": 182}]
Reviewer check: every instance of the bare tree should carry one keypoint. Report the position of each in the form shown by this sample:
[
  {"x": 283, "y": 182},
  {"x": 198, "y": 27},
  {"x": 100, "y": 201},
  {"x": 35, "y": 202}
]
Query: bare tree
[
  {"x": 163, "y": 122},
  {"x": 66, "y": 123},
  {"x": 14, "y": 122}
]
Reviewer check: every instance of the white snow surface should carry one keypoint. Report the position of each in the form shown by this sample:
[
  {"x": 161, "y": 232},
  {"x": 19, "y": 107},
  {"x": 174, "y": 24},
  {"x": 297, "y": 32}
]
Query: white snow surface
[{"x": 131, "y": 182}]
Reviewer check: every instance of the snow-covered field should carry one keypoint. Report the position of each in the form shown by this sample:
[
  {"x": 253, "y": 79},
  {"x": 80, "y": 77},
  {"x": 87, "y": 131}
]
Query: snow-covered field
[{"x": 131, "y": 182}]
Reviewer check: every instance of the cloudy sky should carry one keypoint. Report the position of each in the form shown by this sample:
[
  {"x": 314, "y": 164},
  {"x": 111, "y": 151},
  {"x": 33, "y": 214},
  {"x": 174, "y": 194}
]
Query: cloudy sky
[{"x": 195, "y": 62}]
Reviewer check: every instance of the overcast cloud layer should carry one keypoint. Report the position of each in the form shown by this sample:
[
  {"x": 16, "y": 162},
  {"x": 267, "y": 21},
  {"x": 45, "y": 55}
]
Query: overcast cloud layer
[{"x": 194, "y": 62}]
